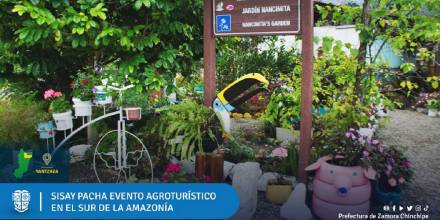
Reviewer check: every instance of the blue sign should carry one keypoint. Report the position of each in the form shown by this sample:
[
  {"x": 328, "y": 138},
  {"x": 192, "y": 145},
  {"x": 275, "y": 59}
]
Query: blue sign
[
  {"x": 223, "y": 23},
  {"x": 117, "y": 201}
]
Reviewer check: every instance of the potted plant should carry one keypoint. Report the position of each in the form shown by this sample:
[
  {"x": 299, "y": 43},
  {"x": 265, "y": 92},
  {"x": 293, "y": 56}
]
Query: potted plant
[
  {"x": 82, "y": 92},
  {"x": 102, "y": 97},
  {"x": 341, "y": 182},
  {"x": 198, "y": 126},
  {"x": 433, "y": 106},
  {"x": 134, "y": 103},
  {"x": 283, "y": 113},
  {"x": 394, "y": 170},
  {"x": 278, "y": 190},
  {"x": 46, "y": 129},
  {"x": 60, "y": 109}
]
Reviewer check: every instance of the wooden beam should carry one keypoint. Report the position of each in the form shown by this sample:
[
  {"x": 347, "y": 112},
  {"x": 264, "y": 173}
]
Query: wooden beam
[
  {"x": 208, "y": 54},
  {"x": 306, "y": 87}
]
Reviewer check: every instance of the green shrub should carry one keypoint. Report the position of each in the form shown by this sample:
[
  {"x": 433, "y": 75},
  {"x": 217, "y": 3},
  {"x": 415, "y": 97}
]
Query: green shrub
[
  {"x": 18, "y": 121},
  {"x": 192, "y": 120}
]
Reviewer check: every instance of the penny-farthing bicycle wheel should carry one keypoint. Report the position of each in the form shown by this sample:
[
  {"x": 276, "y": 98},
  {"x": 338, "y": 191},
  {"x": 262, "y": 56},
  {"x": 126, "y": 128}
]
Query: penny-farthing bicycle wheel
[{"x": 105, "y": 159}]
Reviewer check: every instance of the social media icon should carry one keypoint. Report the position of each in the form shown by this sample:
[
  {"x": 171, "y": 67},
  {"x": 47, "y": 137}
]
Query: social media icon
[
  {"x": 394, "y": 208},
  {"x": 418, "y": 208},
  {"x": 409, "y": 208},
  {"x": 386, "y": 208},
  {"x": 400, "y": 208},
  {"x": 426, "y": 208}
]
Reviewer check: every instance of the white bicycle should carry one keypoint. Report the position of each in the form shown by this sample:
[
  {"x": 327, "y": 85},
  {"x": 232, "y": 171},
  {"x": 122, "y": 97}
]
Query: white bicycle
[{"x": 118, "y": 153}]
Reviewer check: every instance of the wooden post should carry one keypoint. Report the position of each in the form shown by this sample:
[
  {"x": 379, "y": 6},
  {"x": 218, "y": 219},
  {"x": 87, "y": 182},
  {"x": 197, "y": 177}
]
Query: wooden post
[
  {"x": 208, "y": 54},
  {"x": 306, "y": 87},
  {"x": 200, "y": 164}
]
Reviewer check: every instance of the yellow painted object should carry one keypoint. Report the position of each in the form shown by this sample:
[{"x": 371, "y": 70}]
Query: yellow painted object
[
  {"x": 235, "y": 94},
  {"x": 27, "y": 156},
  {"x": 248, "y": 77},
  {"x": 247, "y": 116},
  {"x": 278, "y": 194}
]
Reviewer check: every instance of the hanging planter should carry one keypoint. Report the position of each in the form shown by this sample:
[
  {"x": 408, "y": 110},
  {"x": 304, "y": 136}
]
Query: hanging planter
[
  {"x": 60, "y": 107},
  {"x": 82, "y": 108},
  {"x": 101, "y": 96},
  {"x": 63, "y": 120},
  {"x": 46, "y": 130},
  {"x": 133, "y": 113}
]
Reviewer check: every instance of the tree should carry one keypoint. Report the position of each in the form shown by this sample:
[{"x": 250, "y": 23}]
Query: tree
[
  {"x": 406, "y": 25},
  {"x": 149, "y": 40}
]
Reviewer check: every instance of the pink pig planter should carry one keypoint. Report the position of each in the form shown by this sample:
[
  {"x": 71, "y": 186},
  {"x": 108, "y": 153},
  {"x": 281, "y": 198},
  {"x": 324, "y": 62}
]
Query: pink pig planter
[{"x": 340, "y": 190}]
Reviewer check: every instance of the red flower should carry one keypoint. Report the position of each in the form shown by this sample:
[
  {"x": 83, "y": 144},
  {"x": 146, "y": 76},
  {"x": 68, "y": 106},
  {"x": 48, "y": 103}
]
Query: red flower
[
  {"x": 84, "y": 82},
  {"x": 208, "y": 179},
  {"x": 172, "y": 168},
  {"x": 165, "y": 178}
]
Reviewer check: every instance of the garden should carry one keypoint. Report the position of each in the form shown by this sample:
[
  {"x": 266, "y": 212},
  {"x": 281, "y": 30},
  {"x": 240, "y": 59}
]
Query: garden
[{"x": 118, "y": 87}]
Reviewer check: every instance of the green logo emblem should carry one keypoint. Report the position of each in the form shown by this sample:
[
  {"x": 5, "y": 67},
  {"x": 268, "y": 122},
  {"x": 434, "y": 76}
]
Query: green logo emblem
[{"x": 24, "y": 159}]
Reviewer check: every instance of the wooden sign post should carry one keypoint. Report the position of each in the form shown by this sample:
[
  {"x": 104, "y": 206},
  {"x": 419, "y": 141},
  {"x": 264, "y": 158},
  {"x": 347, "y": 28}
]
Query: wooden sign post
[{"x": 224, "y": 18}]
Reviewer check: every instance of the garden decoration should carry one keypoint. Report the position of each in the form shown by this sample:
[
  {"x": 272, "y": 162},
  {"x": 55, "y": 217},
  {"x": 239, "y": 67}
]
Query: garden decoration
[
  {"x": 47, "y": 131},
  {"x": 82, "y": 92},
  {"x": 60, "y": 109},
  {"x": 115, "y": 163},
  {"x": 101, "y": 96},
  {"x": 82, "y": 108},
  {"x": 338, "y": 189},
  {"x": 134, "y": 103},
  {"x": 235, "y": 94},
  {"x": 341, "y": 183}
]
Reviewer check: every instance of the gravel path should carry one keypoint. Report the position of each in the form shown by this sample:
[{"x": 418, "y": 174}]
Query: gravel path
[{"x": 419, "y": 137}]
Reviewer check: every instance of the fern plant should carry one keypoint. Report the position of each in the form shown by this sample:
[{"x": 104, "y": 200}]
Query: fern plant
[{"x": 191, "y": 120}]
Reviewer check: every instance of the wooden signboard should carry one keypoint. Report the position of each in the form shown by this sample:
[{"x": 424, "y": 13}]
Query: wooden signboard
[
  {"x": 259, "y": 18},
  {"x": 256, "y": 17}
]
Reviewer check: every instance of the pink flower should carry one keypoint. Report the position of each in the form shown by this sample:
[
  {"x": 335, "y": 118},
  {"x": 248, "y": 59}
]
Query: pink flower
[
  {"x": 389, "y": 167},
  {"x": 388, "y": 172},
  {"x": 374, "y": 142},
  {"x": 279, "y": 152},
  {"x": 208, "y": 179},
  {"x": 48, "y": 94},
  {"x": 172, "y": 168},
  {"x": 392, "y": 182},
  {"x": 401, "y": 180},
  {"x": 380, "y": 148},
  {"x": 57, "y": 94},
  {"x": 366, "y": 153},
  {"x": 165, "y": 178}
]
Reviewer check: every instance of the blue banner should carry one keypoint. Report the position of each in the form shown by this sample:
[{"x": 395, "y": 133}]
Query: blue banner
[{"x": 117, "y": 201}]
